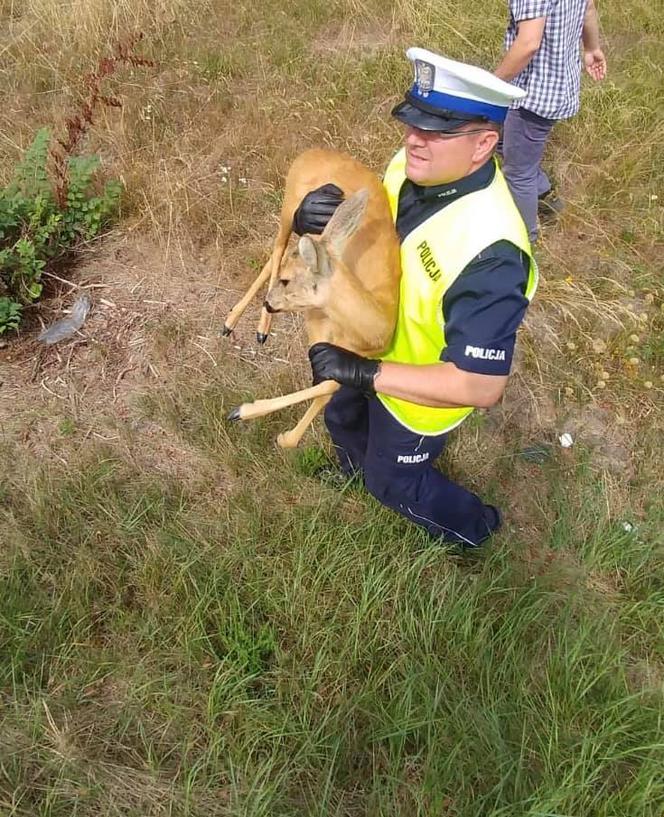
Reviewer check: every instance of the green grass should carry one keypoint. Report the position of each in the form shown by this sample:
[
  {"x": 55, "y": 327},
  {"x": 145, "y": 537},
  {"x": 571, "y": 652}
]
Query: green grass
[
  {"x": 206, "y": 629},
  {"x": 163, "y": 655}
]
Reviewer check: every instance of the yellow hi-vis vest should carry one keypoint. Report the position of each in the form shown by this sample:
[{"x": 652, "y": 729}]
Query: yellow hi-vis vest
[{"x": 433, "y": 255}]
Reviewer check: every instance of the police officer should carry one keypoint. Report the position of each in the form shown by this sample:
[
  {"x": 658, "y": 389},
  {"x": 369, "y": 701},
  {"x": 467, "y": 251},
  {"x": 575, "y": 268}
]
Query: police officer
[{"x": 467, "y": 278}]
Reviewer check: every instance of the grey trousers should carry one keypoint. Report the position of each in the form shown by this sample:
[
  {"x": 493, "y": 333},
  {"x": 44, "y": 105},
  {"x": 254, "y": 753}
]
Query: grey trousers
[{"x": 524, "y": 137}]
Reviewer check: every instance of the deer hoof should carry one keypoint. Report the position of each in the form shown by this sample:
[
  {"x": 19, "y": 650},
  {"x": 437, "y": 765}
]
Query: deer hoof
[
  {"x": 225, "y": 331},
  {"x": 286, "y": 441},
  {"x": 234, "y": 415},
  {"x": 261, "y": 337}
]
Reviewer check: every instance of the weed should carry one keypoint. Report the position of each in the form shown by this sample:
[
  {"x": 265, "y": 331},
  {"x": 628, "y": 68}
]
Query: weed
[
  {"x": 42, "y": 220},
  {"x": 67, "y": 427},
  {"x": 36, "y": 229}
]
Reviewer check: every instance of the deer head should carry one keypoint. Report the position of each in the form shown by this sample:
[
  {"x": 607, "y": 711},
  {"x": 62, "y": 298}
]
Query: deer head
[{"x": 307, "y": 271}]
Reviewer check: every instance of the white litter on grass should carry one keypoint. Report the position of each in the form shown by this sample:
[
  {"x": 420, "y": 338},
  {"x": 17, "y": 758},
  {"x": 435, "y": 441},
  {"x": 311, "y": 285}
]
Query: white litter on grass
[
  {"x": 628, "y": 527},
  {"x": 65, "y": 327},
  {"x": 566, "y": 440}
]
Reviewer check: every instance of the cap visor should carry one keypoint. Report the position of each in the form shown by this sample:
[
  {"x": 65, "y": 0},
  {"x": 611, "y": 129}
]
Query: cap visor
[{"x": 407, "y": 113}]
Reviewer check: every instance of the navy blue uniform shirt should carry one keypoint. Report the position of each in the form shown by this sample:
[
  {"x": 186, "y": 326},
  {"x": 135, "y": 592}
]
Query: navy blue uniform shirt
[{"x": 485, "y": 305}]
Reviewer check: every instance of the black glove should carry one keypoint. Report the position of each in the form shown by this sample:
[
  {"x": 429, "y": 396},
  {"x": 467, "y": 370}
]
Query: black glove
[
  {"x": 316, "y": 209},
  {"x": 330, "y": 362}
]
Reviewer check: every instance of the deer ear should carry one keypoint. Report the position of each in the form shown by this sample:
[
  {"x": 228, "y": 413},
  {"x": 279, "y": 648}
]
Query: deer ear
[
  {"x": 345, "y": 220},
  {"x": 307, "y": 250},
  {"x": 315, "y": 256}
]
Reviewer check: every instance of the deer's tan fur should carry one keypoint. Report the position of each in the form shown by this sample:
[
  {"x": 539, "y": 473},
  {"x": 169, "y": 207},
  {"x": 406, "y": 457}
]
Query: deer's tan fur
[{"x": 346, "y": 281}]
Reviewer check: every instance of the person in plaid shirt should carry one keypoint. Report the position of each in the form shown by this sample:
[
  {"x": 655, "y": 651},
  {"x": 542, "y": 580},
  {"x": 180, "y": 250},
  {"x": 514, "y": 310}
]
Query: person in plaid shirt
[{"x": 543, "y": 58}]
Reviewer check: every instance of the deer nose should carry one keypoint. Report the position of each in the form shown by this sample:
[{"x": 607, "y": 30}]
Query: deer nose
[{"x": 269, "y": 308}]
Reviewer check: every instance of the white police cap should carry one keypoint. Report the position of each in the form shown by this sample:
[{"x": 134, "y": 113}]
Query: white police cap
[{"x": 447, "y": 93}]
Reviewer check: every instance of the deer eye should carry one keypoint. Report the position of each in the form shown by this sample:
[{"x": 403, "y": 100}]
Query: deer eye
[{"x": 283, "y": 282}]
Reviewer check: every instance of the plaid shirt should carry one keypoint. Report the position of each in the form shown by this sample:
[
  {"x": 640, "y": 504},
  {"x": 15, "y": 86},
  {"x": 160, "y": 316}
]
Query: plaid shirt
[{"x": 552, "y": 79}]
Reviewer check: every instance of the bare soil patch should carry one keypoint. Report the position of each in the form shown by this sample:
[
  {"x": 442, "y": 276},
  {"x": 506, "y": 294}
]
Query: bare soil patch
[{"x": 155, "y": 318}]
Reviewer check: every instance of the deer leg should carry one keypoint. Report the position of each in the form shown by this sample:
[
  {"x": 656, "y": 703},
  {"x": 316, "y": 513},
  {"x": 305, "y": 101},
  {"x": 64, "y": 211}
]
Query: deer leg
[
  {"x": 280, "y": 244},
  {"x": 259, "y": 408},
  {"x": 291, "y": 439},
  {"x": 236, "y": 312}
]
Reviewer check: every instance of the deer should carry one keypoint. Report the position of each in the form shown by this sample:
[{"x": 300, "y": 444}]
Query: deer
[{"x": 345, "y": 281}]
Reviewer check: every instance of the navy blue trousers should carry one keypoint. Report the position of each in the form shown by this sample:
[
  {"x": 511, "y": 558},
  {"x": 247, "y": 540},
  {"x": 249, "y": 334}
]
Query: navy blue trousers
[{"x": 397, "y": 467}]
